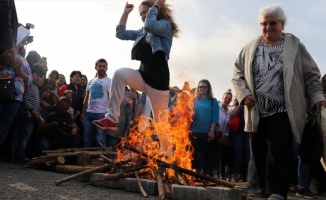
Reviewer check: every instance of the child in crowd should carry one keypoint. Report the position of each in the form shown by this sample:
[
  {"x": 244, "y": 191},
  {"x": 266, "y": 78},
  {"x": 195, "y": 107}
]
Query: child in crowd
[
  {"x": 27, "y": 116},
  {"x": 70, "y": 95},
  {"x": 50, "y": 96}
]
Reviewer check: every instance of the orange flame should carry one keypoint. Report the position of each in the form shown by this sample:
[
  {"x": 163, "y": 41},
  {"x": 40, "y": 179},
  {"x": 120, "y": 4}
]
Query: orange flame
[{"x": 172, "y": 134}]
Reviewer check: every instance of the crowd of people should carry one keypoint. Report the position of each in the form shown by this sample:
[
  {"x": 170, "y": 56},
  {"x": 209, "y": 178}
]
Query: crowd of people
[{"x": 275, "y": 80}]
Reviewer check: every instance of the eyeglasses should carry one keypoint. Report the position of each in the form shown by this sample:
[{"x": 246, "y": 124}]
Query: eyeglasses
[
  {"x": 271, "y": 23},
  {"x": 202, "y": 87}
]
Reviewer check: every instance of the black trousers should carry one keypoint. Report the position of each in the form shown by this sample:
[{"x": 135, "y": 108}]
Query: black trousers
[
  {"x": 202, "y": 154},
  {"x": 272, "y": 150}
]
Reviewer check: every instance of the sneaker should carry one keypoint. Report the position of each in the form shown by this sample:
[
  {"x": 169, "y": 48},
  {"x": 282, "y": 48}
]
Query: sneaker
[
  {"x": 294, "y": 189},
  {"x": 105, "y": 124},
  {"x": 261, "y": 193},
  {"x": 275, "y": 197},
  {"x": 305, "y": 192}
]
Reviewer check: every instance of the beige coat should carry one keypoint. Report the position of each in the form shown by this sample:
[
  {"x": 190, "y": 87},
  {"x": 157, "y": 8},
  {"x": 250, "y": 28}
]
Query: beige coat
[{"x": 301, "y": 79}]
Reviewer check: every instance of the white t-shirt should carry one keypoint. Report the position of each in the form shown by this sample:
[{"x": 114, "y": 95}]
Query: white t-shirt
[
  {"x": 98, "y": 94},
  {"x": 224, "y": 118}
]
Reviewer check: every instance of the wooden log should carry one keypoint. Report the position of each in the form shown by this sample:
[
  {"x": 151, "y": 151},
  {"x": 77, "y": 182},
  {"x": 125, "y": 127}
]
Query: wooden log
[
  {"x": 82, "y": 158},
  {"x": 39, "y": 160},
  {"x": 61, "y": 160},
  {"x": 160, "y": 186},
  {"x": 91, "y": 153},
  {"x": 106, "y": 158},
  {"x": 72, "y": 169},
  {"x": 50, "y": 163},
  {"x": 121, "y": 175},
  {"x": 186, "y": 171},
  {"x": 197, "y": 175},
  {"x": 168, "y": 193},
  {"x": 77, "y": 149},
  {"x": 84, "y": 173},
  {"x": 181, "y": 179},
  {"x": 97, "y": 161},
  {"x": 143, "y": 192}
]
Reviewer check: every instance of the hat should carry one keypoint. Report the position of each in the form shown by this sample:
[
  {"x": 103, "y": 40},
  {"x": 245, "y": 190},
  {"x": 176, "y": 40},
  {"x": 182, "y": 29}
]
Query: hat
[{"x": 22, "y": 34}]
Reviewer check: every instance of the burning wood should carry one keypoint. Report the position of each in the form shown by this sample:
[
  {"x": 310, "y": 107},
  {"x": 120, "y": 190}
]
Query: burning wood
[
  {"x": 178, "y": 169},
  {"x": 195, "y": 174},
  {"x": 181, "y": 179}
]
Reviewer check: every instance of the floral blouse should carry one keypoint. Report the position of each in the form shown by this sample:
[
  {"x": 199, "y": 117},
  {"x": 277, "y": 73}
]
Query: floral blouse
[{"x": 6, "y": 73}]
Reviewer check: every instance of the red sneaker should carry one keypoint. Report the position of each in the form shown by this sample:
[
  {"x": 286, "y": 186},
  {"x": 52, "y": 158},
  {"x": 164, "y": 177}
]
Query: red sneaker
[{"x": 105, "y": 124}]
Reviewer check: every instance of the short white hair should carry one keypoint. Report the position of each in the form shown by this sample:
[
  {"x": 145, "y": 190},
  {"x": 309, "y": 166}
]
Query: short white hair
[{"x": 272, "y": 9}]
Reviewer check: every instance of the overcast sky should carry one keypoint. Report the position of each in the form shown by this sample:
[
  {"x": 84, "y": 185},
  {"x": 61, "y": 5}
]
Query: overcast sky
[{"x": 73, "y": 34}]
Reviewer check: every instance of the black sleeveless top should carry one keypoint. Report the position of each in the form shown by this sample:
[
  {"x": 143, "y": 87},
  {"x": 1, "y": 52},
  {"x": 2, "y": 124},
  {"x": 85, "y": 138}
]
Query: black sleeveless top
[{"x": 153, "y": 68}]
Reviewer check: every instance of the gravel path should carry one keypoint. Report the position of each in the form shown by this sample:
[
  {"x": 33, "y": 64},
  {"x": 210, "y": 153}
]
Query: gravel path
[{"x": 17, "y": 182}]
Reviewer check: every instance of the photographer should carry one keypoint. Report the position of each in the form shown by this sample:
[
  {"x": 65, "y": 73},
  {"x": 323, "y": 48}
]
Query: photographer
[{"x": 59, "y": 129}]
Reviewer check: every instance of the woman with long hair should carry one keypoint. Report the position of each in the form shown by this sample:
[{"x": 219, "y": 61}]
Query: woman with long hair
[
  {"x": 152, "y": 48},
  {"x": 205, "y": 120}
]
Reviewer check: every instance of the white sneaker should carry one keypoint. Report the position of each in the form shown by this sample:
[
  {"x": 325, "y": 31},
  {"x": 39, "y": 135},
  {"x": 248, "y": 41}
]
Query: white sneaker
[{"x": 275, "y": 197}]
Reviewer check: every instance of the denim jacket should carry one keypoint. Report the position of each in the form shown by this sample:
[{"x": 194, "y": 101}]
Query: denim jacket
[{"x": 159, "y": 34}]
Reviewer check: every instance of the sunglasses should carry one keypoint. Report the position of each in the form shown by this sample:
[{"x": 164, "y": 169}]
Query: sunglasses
[
  {"x": 271, "y": 23},
  {"x": 202, "y": 87}
]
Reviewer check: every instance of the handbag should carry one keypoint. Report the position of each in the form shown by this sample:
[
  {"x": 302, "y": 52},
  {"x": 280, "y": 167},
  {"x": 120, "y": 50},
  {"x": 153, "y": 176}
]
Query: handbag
[
  {"x": 7, "y": 90},
  {"x": 234, "y": 124},
  {"x": 311, "y": 147}
]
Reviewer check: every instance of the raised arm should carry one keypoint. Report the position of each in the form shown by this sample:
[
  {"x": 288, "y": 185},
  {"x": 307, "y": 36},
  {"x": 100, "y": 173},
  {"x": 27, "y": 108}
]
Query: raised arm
[{"x": 124, "y": 17}]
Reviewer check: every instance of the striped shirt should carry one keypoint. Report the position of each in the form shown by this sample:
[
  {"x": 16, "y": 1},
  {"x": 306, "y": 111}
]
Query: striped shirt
[{"x": 31, "y": 98}]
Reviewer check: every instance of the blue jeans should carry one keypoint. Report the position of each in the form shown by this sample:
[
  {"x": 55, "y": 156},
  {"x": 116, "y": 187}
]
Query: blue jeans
[
  {"x": 93, "y": 136},
  {"x": 24, "y": 126},
  {"x": 303, "y": 174},
  {"x": 241, "y": 152},
  {"x": 7, "y": 114},
  {"x": 303, "y": 169}
]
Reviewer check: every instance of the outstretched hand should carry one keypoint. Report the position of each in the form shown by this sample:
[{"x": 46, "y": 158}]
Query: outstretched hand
[
  {"x": 160, "y": 3},
  {"x": 128, "y": 7}
]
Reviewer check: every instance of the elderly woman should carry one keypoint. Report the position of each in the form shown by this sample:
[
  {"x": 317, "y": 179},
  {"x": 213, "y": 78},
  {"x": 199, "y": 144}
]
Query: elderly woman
[{"x": 272, "y": 76}]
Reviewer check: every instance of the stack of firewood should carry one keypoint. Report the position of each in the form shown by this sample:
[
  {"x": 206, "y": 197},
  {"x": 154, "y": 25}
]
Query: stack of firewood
[
  {"x": 82, "y": 162},
  {"x": 73, "y": 160}
]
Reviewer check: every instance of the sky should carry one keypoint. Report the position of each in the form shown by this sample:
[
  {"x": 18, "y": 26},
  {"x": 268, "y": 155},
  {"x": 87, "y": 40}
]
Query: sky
[{"x": 73, "y": 34}]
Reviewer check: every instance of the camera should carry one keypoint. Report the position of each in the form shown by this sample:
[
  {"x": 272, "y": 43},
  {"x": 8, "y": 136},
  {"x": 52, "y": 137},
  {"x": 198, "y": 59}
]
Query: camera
[
  {"x": 29, "y": 26},
  {"x": 30, "y": 38}
]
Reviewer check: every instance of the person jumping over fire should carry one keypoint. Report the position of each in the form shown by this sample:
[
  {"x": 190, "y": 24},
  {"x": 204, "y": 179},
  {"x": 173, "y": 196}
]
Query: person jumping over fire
[{"x": 152, "y": 48}]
